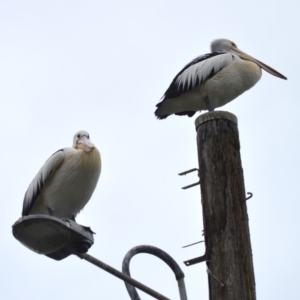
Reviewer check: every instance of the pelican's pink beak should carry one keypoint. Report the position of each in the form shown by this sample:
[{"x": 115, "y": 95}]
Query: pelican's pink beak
[
  {"x": 85, "y": 144},
  {"x": 245, "y": 56}
]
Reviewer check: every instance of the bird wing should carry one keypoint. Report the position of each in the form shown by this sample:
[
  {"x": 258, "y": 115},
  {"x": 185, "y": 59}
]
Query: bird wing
[
  {"x": 196, "y": 72},
  {"x": 39, "y": 181}
]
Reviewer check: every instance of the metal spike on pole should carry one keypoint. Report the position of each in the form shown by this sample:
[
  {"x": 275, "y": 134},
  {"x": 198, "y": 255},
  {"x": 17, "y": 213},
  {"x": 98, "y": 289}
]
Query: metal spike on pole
[{"x": 225, "y": 218}]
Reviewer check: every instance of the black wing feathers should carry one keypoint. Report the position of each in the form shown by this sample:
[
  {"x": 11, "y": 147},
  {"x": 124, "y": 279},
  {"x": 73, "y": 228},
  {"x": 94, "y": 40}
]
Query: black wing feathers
[
  {"x": 29, "y": 200},
  {"x": 176, "y": 90}
]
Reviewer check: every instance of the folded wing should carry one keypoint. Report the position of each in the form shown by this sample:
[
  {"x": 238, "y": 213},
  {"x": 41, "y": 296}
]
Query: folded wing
[
  {"x": 37, "y": 184},
  {"x": 196, "y": 72}
]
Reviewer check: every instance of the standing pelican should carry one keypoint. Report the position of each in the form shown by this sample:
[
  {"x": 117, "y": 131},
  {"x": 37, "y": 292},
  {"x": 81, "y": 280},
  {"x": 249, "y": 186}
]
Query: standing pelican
[
  {"x": 212, "y": 80},
  {"x": 66, "y": 181}
]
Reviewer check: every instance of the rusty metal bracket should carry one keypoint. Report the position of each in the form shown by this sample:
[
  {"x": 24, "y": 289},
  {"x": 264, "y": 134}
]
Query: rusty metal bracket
[
  {"x": 187, "y": 172},
  {"x": 250, "y": 196},
  {"x": 196, "y": 260}
]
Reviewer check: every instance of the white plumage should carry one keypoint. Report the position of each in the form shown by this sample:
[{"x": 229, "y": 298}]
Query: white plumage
[
  {"x": 66, "y": 181},
  {"x": 212, "y": 80}
]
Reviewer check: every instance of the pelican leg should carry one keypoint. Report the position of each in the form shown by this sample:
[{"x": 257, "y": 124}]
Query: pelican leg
[
  {"x": 208, "y": 104},
  {"x": 51, "y": 213}
]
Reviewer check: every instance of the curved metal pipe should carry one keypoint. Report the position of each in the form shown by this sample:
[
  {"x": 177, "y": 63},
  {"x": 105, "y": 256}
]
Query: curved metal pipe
[
  {"x": 121, "y": 275},
  {"x": 179, "y": 275}
]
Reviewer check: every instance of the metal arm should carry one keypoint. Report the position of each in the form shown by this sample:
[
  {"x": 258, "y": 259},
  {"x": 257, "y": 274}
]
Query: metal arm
[
  {"x": 122, "y": 276},
  {"x": 59, "y": 238},
  {"x": 163, "y": 256}
]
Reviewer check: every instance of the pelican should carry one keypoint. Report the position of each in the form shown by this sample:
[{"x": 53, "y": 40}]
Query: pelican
[
  {"x": 212, "y": 80},
  {"x": 66, "y": 181}
]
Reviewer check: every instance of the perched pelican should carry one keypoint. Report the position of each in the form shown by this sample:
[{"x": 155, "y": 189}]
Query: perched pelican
[
  {"x": 212, "y": 80},
  {"x": 66, "y": 181}
]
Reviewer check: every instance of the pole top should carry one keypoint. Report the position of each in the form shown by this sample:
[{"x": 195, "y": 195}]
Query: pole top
[{"x": 212, "y": 115}]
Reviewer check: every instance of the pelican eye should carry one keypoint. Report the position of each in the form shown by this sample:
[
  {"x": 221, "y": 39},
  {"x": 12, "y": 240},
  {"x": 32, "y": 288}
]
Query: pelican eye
[{"x": 78, "y": 135}]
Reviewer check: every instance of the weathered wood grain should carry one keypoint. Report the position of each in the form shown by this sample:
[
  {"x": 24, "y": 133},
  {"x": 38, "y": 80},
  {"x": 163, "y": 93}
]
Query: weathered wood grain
[{"x": 227, "y": 237}]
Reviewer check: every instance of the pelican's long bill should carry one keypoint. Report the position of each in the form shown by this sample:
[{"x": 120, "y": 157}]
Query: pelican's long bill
[
  {"x": 85, "y": 144},
  {"x": 245, "y": 56}
]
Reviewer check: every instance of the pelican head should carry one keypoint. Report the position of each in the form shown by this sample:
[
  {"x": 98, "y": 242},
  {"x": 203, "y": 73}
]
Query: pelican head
[
  {"x": 82, "y": 141},
  {"x": 224, "y": 45}
]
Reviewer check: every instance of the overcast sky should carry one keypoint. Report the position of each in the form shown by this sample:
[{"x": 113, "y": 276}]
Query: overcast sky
[{"x": 102, "y": 66}]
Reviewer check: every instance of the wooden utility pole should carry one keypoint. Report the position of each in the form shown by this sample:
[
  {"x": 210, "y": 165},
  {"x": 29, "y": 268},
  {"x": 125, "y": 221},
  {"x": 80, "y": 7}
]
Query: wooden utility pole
[{"x": 225, "y": 218}]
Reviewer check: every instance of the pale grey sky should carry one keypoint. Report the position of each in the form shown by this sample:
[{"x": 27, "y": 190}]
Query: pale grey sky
[{"x": 102, "y": 66}]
